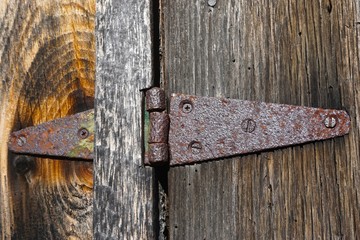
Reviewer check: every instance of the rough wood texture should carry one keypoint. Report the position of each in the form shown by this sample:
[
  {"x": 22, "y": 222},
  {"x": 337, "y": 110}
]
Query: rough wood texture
[
  {"x": 298, "y": 52},
  {"x": 47, "y": 55},
  {"x": 124, "y": 189}
]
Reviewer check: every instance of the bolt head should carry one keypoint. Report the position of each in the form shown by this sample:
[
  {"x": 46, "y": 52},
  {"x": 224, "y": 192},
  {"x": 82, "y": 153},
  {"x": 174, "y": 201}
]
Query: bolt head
[{"x": 330, "y": 121}]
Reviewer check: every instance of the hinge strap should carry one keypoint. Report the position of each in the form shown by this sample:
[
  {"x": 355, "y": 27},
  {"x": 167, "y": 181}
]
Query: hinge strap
[{"x": 195, "y": 129}]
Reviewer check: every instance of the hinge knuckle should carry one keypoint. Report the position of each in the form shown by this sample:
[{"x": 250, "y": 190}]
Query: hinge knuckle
[
  {"x": 158, "y": 152},
  {"x": 159, "y": 127},
  {"x": 155, "y": 100}
]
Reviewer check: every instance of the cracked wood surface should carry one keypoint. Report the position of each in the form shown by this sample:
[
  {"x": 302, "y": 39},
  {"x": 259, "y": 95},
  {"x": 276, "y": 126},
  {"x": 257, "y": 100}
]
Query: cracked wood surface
[{"x": 298, "y": 52}]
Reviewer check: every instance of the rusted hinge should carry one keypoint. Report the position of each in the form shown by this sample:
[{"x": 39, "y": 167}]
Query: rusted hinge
[{"x": 195, "y": 129}]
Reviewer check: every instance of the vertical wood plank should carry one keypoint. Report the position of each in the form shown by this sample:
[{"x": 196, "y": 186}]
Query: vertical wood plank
[
  {"x": 298, "y": 52},
  {"x": 124, "y": 189},
  {"x": 47, "y": 71}
]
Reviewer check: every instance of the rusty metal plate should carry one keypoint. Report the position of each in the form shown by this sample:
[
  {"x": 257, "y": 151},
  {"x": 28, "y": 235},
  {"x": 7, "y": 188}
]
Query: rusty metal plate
[
  {"x": 71, "y": 136},
  {"x": 204, "y": 128}
]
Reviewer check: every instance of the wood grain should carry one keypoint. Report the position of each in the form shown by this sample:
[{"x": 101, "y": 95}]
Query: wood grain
[
  {"x": 47, "y": 70},
  {"x": 125, "y": 199},
  {"x": 298, "y": 52}
]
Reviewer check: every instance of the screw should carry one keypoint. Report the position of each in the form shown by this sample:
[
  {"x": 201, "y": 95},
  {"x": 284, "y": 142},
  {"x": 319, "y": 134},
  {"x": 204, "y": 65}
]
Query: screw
[
  {"x": 83, "y": 133},
  {"x": 21, "y": 141},
  {"x": 195, "y": 147},
  {"x": 330, "y": 121},
  {"x": 248, "y": 125},
  {"x": 187, "y": 107}
]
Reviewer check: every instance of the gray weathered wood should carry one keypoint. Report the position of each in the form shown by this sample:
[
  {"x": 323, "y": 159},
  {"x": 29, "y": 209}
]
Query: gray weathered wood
[
  {"x": 124, "y": 189},
  {"x": 292, "y": 52}
]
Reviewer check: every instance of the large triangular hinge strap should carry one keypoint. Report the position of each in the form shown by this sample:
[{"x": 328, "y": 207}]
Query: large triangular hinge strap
[{"x": 195, "y": 129}]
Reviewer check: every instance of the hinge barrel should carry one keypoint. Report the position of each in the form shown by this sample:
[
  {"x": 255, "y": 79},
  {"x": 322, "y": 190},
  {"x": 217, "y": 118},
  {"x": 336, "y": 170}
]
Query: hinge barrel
[{"x": 157, "y": 151}]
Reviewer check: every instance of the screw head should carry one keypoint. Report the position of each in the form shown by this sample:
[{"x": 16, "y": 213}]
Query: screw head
[
  {"x": 195, "y": 147},
  {"x": 330, "y": 121},
  {"x": 187, "y": 107},
  {"x": 21, "y": 141},
  {"x": 248, "y": 125},
  {"x": 83, "y": 133}
]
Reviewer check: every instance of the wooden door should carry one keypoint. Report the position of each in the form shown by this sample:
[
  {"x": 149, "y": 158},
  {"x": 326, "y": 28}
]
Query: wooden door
[
  {"x": 298, "y": 52},
  {"x": 293, "y": 52}
]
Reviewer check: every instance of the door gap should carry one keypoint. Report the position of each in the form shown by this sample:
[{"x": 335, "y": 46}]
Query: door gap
[{"x": 161, "y": 173}]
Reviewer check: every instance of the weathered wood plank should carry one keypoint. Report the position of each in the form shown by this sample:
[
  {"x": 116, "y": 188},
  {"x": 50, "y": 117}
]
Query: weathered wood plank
[
  {"x": 298, "y": 52},
  {"x": 124, "y": 189},
  {"x": 47, "y": 70}
]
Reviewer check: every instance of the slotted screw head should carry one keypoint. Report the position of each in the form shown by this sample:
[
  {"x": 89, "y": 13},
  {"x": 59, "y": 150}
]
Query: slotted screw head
[
  {"x": 248, "y": 125},
  {"x": 195, "y": 147},
  {"x": 21, "y": 141},
  {"x": 330, "y": 121}
]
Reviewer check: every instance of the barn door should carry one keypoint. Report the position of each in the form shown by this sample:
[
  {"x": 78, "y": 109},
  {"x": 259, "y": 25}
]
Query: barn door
[{"x": 299, "y": 52}]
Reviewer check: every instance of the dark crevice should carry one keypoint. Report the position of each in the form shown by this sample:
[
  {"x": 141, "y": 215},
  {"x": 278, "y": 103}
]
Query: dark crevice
[
  {"x": 162, "y": 203},
  {"x": 155, "y": 36},
  {"x": 161, "y": 173}
]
